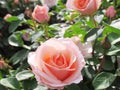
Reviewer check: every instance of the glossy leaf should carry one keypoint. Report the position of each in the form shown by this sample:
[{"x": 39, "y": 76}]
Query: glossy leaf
[
  {"x": 10, "y": 82},
  {"x": 108, "y": 64},
  {"x": 92, "y": 34},
  {"x": 103, "y": 80},
  {"x": 13, "y": 26},
  {"x": 19, "y": 56},
  {"x": 26, "y": 74},
  {"x": 75, "y": 30},
  {"x": 16, "y": 39},
  {"x": 73, "y": 87},
  {"x": 12, "y": 19}
]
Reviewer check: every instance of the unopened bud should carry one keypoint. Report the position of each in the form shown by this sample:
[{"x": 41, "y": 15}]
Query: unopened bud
[
  {"x": 7, "y": 16},
  {"x": 110, "y": 12},
  {"x": 26, "y": 36},
  {"x": 106, "y": 43}
]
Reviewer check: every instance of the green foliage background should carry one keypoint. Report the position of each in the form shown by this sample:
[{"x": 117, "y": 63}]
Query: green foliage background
[{"x": 14, "y": 48}]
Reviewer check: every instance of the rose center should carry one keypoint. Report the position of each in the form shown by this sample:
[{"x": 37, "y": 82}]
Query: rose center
[
  {"x": 81, "y": 4},
  {"x": 59, "y": 60}
]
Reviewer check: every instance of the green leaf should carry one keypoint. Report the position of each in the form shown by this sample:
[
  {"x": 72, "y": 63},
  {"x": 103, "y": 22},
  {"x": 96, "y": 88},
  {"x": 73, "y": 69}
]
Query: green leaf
[
  {"x": 36, "y": 36},
  {"x": 73, "y": 87},
  {"x": 118, "y": 71},
  {"x": 114, "y": 38},
  {"x": 1, "y": 75},
  {"x": 75, "y": 30},
  {"x": 10, "y": 82},
  {"x": 19, "y": 56},
  {"x": 114, "y": 51},
  {"x": 16, "y": 39},
  {"x": 109, "y": 29},
  {"x": 21, "y": 16},
  {"x": 3, "y": 88},
  {"x": 12, "y": 19},
  {"x": 30, "y": 22},
  {"x": 92, "y": 34},
  {"x": 39, "y": 87},
  {"x": 29, "y": 84},
  {"x": 103, "y": 80},
  {"x": 24, "y": 75},
  {"x": 13, "y": 26},
  {"x": 89, "y": 72},
  {"x": 108, "y": 64}
]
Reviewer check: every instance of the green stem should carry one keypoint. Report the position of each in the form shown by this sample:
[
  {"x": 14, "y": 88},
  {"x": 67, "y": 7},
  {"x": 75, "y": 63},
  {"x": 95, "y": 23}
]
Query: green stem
[
  {"x": 92, "y": 17},
  {"x": 93, "y": 20},
  {"x": 46, "y": 30},
  {"x": 95, "y": 42},
  {"x": 34, "y": 24}
]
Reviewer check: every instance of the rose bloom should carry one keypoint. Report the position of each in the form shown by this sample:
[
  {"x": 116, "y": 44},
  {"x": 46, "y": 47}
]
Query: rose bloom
[
  {"x": 49, "y": 3},
  {"x": 110, "y": 12},
  {"x": 7, "y": 16},
  {"x": 86, "y": 7},
  {"x": 85, "y": 48},
  {"x": 40, "y": 13},
  {"x": 57, "y": 63}
]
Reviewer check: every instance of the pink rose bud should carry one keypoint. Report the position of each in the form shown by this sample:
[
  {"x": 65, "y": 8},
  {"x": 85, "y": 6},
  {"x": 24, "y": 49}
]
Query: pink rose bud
[
  {"x": 7, "y": 16},
  {"x": 16, "y": 1},
  {"x": 57, "y": 63},
  {"x": 110, "y": 12},
  {"x": 85, "y": 48},
  {"x": 49, "y": 3},
  {"x": 40, "y": 13},
  {"x": 86, "y": 7},
  {"x": 26, "y": 36},
  {"x": 1, "y": 64}
]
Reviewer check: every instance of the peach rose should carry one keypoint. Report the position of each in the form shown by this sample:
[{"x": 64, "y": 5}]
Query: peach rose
[
  {"x": 40, "y": 13},
  {"x": 85, "y": 48},
  {"x": 110, "y": 12},
  {"x": 86, "y": 7},
  {"x": 7, "y": 16},
  {"x": 57, "y": 63},
  {"x": 49, "y": 3}
]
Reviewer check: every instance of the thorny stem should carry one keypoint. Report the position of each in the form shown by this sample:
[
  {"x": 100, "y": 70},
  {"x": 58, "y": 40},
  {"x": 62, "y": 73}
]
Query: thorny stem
[
  {"x": 101, "y": 64},
  {"x": 93, "y": 19},
  {"x": 94, "y": 22},
  {"x": 102, "y": 61}
]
